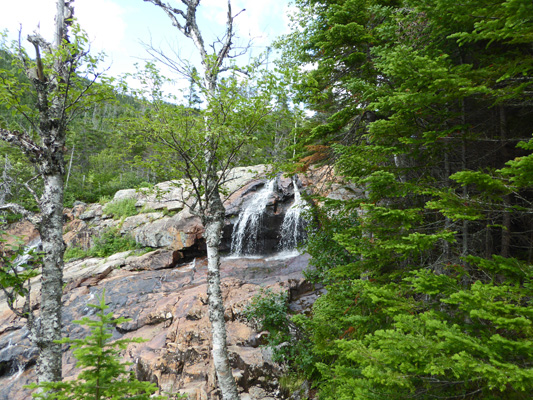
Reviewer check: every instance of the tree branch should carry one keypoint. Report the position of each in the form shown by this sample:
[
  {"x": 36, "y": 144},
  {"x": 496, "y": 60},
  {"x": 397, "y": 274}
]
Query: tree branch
[
  {"x": 32, "y": 192},
  {"x": 23, "y": 141},
  {"x": 35, "y": 219}
]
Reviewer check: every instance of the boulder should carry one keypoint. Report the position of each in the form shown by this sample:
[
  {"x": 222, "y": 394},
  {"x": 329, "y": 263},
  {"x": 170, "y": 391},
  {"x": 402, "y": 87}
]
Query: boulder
[
  {"x": 24, "y": 230},
  {"x": 175, "y": 233},
  {"x": 76, "y": 233}
]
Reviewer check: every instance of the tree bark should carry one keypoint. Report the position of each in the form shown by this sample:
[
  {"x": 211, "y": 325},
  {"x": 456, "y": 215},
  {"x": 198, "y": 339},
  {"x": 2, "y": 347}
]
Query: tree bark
[
  {"x": 213, "y": 223},
  {"x": 48, "y": 158},
  {"x": 51, "y": 230},
  {"x": 214, "y": 213},
  {"x": 52, "y": 168},
  {"x": 211, "y": 208},
  {"x": 506, "y": 218},
  {"x": 465, "y": 249}
]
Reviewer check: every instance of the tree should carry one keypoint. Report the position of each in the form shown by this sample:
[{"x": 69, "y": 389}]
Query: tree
[
  {"x": 60, "y": 80},
  {"x": 207, "y": 144},
  {"x": 429, "y": 281},
  {"x": 103, "y": 375}
]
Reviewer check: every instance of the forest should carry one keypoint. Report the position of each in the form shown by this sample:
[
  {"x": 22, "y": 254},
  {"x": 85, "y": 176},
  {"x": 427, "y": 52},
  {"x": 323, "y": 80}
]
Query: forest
[{"x": 424, "y": 107}]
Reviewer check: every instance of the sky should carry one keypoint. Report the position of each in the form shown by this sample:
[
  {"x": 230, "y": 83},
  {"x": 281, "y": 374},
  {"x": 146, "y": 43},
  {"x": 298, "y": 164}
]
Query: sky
[{"x": 118, "y": 27}]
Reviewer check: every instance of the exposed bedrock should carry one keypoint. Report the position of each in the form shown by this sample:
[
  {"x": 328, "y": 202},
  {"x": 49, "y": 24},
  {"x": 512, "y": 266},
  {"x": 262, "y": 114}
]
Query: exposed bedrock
[{"x": 163, "y": 292}]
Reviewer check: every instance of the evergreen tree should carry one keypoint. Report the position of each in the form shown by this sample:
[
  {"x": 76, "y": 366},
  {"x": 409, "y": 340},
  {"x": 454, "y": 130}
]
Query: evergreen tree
[{"x": 429, "y": 282}]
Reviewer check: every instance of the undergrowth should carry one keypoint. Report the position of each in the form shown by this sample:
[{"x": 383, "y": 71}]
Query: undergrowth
[
  {"x": 121, "y": 208},
  {"x": 269, "y": 311},
  {"x": 109, "y": 243}
]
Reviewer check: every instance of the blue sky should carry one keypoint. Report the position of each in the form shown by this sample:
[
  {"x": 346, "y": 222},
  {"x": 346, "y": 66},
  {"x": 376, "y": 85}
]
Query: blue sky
[{"x": 118, "y": 26}]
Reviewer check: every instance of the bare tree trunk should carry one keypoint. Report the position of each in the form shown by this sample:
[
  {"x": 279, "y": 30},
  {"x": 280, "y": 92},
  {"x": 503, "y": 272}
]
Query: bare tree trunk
[
  {"x": 214, "y": 214},
  {"x": 447, "y": 221},
  {"x": 464, "y": 250},
  {"x": 70, "y": 165},
  {"x": 212, "y": 210},
  {"x": 51, "y": 230},
  {"x": 48, "y": 158},
  {"x": 53, "y": 133},
  {"x": 214, "y": 222}
]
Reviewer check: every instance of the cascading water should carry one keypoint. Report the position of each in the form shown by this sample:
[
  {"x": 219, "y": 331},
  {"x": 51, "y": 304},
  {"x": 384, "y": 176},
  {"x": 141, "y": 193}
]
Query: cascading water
[
  {"x": 247, "y": 228},
  {"x": 293, "y": 226},
  {"x": 21, "y": 262}
]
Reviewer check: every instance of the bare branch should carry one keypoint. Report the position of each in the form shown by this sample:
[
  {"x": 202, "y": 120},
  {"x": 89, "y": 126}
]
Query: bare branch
[
  {"x": 181, "y": 67},
  {"x": 35, "y": 219},
  {"x": 23, "y": 141},
  {"x": 224, "y": 51},
  {"x": 189, "y": 28},
  {"x": 32, "y": 192},
  {"x": 38, "y": 41}
]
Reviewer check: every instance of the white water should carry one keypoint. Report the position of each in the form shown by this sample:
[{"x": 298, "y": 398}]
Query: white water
[
  {"x": 247, "y": 228},
  {"x": 284, "y": 255},
  {"x": 293, "y": 226},
  {"x": 21, "y": 262}
]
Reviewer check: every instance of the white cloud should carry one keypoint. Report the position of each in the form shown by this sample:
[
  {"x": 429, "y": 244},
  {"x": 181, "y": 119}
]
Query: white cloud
[
  {"x": 104, "y": 22},
  {"x": 30, "y": 14},
  {"x": 102, "y": 19},
  {"x": 117, "y": 26}
]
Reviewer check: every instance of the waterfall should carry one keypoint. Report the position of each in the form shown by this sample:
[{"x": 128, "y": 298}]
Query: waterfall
[
  {"x": 293, "y": 226},
  {"x": 22, "y": 261},
  {"x": 246, "y": 229}
]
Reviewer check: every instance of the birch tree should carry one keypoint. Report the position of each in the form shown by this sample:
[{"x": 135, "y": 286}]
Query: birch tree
[
  {"x": 218, "y": 150},
  {"x": 61, "y": 80}
]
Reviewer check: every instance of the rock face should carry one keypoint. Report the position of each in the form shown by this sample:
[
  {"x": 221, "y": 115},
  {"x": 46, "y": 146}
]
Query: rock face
[
  {"x": 167, "y": 306},
  {"x": 163, "y": 292}
]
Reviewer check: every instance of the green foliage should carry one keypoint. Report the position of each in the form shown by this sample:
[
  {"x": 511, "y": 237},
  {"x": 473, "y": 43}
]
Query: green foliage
[
  {"x": 121, "y": 208},
  {"x": 419, "y": 105},
  {"x": 103, "y": 200},
  {"x": 13, "y": 274},
  {"x": 110, "y": 242},
  {"x": 103, "y": 375},
  {"x": 231, "y": 121},
  {"x": 430, "y": 335},
  {"x": 269, "y": 311},
  {"x": 73, "y": 253}
]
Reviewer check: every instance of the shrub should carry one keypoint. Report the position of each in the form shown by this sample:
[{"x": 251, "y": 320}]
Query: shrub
[
  {"x": 268, "y": 310},
  {"x": 73, "y": 253},
  {"x": 103, "y": 200},
  {"x": 109, "y": 243},
  {"x": 112, "y": 242},
  {"x": 121, "y": 208}
]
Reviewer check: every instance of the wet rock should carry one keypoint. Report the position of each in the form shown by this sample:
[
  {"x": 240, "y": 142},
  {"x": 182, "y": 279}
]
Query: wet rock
[
  {"x": 168, "y": 308},
  {"x": 163, "y": 292}
]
